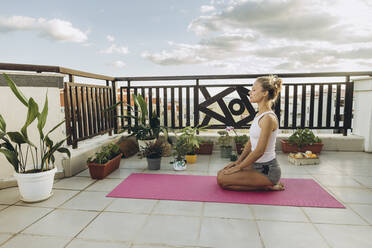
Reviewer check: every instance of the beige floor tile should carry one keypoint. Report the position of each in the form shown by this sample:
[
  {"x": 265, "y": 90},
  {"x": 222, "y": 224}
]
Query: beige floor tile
[
  {"x": 4, "y": 237},
  {"x": 59, "y": 197},
  {"x": 221, "y": 233},
  {"x": 334, "y": 216},
  {"x": 74, "y": 183},
  {"x": 16, "y": 218},
  {"x": 185, "y": 208},
  {"x": 114, "y": 227},
  {"x": 105, "y": 185},
  {"x": 227, "y": 210},
  {"x": 89, "y": 201},
  {"x": 84, "y": 173},
  {"x": 140, "y": 164},
  {"x": 363, "y": 210},
  {"x": 366, "y": 181},
  {"x": 35, "y": 241},
  {"x": 337, "y": 181},
  {"x": 9, "y": 195},
  {"x": 171, "y": 230},
  {"x": 343, "y": 236},
  {"x": 123, "y": 173},
  {"x": 62, "y": 223},
  {"x": 287, "y": 234},
  {"x": 79, "y": 243},
  {"x": 353, "y": 195},
  {"x": 279, "y": 213},
  {"x": 3, "y": 207},
  {"x": 128, "y": 205}
]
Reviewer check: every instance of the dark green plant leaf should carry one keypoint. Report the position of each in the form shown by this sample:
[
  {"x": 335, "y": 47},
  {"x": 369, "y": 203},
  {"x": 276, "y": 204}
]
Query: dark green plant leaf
[
  {"x": 2, "y": 124},
  {"x": 11, "y": 156},
  {"x": 17, "y": 137},
  {"x": 64, "y": 150},
  {"x": 15, "y": 90},
  {"x": 42, "y": 117},
  {"x": 33, "y": 112}
]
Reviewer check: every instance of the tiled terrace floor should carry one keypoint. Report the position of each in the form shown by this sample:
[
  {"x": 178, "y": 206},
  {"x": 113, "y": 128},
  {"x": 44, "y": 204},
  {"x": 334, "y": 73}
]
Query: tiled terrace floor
[{"x": 79, "y": 214}]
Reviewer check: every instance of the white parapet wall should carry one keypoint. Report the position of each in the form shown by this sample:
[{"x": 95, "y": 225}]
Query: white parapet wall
[
  {"x": 14, "y": 112},
  {"x": 362, "y": 121}
]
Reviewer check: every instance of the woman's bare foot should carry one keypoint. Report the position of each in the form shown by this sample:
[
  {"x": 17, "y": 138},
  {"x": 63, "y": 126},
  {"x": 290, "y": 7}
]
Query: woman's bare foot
[{"x": 276, "y": 187}]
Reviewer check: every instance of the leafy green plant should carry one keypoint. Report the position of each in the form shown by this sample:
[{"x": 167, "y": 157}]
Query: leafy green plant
[
  {"x": 225, "y": 139},
  {"x": 180, "y": 149},
  {"x": 105, "y": 154},
  {"x": 189, "y": 135},
  {"x": 206, "y": 141},
  {"x": 16, "y": 145},
  {"x": 242, "y": 139},
  {"x": 152, "y": 150},
  {"x": 303, "y": 137}
]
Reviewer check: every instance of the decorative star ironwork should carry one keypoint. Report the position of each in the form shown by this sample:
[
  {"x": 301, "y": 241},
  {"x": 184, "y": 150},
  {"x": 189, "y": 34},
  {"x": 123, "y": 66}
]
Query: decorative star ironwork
[{"x": 229, "y": 110}]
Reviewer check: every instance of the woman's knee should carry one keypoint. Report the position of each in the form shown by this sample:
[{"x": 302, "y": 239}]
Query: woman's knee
[{"x": 220, "y": 178}]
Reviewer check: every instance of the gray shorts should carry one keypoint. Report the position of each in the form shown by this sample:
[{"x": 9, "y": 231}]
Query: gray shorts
[{"x": 270, "y": 169}]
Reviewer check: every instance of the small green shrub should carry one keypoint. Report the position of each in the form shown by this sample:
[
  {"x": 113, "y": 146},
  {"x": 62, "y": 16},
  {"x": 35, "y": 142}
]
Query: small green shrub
[
  {"x": 152, "y": 150},
  {"x": 242, "y": 139},
  {"x": 105, "y": 154},
  {"x": 303, "y": 137}
]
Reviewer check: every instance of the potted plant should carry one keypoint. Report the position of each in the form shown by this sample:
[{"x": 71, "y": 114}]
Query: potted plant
[
  {"x": 205, "y": 147},
  {"x": 35, "y": 181},
  {"x": 302, "y": 140},
  {"x": 105, "y": 161},
  {"x": 152, "y": 151},
  {"x": 192, "y": 141},
  {"x": 225, "y": 143},
  {"x": 240, "y": 141},
  {"x": 180, "y": 150}
]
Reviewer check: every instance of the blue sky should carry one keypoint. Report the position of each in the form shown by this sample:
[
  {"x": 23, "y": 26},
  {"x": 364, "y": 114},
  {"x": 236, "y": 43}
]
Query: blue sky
[{"x": 174, "y": 37}]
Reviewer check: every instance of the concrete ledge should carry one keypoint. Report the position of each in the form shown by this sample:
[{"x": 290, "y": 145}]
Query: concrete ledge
[{"x": 77, "y": 162}]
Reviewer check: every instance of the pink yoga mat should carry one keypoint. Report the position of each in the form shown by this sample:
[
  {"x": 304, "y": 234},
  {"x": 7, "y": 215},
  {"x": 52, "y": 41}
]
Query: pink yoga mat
[{"x": 298, "y": 192}]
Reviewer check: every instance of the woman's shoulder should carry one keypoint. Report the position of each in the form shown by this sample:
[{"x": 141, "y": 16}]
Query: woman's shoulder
[{"x": 268, "y": 119}]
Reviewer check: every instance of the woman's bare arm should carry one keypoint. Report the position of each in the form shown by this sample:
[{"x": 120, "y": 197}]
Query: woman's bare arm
[{"x": 247, "y": 149}]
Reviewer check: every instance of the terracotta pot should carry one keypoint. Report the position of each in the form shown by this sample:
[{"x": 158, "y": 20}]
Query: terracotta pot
[
  {"x": 314, "y": 148},
  {"x": 239, "y": 148},
  {"x": 205, "y": 148},
  {"x": 100, "y": 171},
  {"x": 191, "y": 159}
]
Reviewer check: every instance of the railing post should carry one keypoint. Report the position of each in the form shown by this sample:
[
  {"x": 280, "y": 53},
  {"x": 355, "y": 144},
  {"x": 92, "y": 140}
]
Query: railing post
[
  {"x": 115, "y": 113},
  {"x": 348, "y": 106},
  {"x": 196, "y": 103},
  {"x": 128, "y": 106}
]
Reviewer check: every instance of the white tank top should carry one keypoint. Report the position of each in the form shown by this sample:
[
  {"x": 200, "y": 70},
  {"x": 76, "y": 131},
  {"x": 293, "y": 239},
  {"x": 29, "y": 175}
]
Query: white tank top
[{"x": 255, "y": 132}]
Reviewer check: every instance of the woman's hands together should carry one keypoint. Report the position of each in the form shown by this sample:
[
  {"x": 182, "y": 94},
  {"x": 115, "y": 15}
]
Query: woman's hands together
[{"x": 231, "y": 168}]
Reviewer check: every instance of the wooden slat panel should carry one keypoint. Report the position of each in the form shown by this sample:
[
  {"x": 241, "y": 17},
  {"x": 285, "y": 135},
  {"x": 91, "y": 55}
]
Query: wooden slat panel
[
  {"x": 311, "y": 118},
  {"x": 173, "y": 115},
  {"x": 94, "y": 110},
  {"x": 66, "y": 95},
  {"x": 129, "y": 111},
  {"x": 98, "y": 108},
  {"x": 150, "y": 102},
  {"x": 73, "y": 116},
  {"x": 78, "y": 112},
  {"x": 286, "y": 105},
  {"x": 187, "y": 106},
  {"x": 329, "y": 106},
  {"x": 135, "y": 108},
  {"x": 84, "y": 111},
  {"x": 121, "y": 107},
  {"x": 165, "y": 106},
  {"x": 196, "y": 103},
  {"x": 337, "y": 111},
  {"x": 303, "y": 107},
  {"x": 294, "y": 110},
  {"x": 320, "y": 106},
  {"x": 180, "y": 106},
  {"x": 89, "y": 110},
  {"x": 158, "y": 102}
]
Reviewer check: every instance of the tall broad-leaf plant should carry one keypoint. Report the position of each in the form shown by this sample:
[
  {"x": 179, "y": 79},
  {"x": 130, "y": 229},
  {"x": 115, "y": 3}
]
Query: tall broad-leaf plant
[{"x": 16, "y": 145}]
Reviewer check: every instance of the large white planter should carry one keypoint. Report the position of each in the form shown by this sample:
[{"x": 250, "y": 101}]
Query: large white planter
[
  {"x": 142, "y": 143},
  {"x": 35, "y": 187}
]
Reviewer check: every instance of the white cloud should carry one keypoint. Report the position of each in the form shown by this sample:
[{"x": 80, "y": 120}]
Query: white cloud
[
  {"x": 117, "y": 64},
  {"x": 206, "y": 8},
  {"x": 54, "y": 29},
  {"x": 115, "y": 49},
  {"x": 255, "y": 35},
  {"x": 110, "y": 38}
]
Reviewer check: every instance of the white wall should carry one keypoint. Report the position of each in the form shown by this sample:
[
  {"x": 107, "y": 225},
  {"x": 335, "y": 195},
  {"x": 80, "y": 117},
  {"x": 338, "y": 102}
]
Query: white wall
[{"x": 15, "y": 114}]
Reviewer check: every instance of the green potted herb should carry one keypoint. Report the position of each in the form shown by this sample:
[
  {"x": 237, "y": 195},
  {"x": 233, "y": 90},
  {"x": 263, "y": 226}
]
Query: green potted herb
[
  {"x": 225, "y": 143},
  {"x": 240, "y": 141},
  {"x": 34, "y": 184},
  {"x": 152, "y": 151},
  {"x": 105, "y": 161},
  {"x": 302, "y": 140},
  {"x": 180, "y": 151},
  {"x": 192, "y": 140}
]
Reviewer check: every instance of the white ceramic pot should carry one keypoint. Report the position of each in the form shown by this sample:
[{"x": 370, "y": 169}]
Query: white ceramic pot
[
  {"x": 179, "y": 165},
  {"x": 142, "y": 143},
  {"x": 35, "y": 187}
]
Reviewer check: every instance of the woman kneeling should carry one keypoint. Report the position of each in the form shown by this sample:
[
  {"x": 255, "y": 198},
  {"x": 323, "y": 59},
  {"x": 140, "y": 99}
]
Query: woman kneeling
[{"x": 257, "y": 167}]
